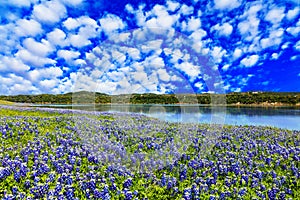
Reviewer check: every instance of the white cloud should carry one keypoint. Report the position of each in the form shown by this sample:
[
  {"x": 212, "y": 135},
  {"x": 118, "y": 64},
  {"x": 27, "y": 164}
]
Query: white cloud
[
  {"x": 134, "y": 53},
  {"x": 297, "y": 46},
  {"x": 44, "y": 73},
  {"x": 31, "y": 59},
  {"x": 160, "y": 19},
  {"x": 218, "y": 54},
  {"x": 72, "y": 2},
  {"x": 237, "y": 53},
  {"x": 250, "y": 61},
  {"x": 172, "y": 6},
  {"x": 79, "y": 41},
  {"x": 199, "y": 85},
  {"x": 274, "y": 39},
  {"x": 118, "y": 57},
  {"x": 198, "y": 34},
  {"x": 8, "y": 40},
  {"x": 41, "y": 49},
  {"x": 28, "y": 27},
  {"x": 139, "y": 76},
  {"x": 49, "y": 11},
  {"x": 186, "y": 10},
  {"x": 225, "y": 67},
  {"x": 48, "y": 84},
  {"x": 227, "y": 4},
  {"x": 275, "y": 56},
  {"x": 275, "y": 15},
  {"x": 285, "y": 45},
  {"x": 71, "y": 23},
  {"x": 11, "y": 64},
  {"x": 57, "y": 37},
  {"x": 88, "y": 29},
  {"x": 163, "y": 75},
  {"x": 111, "y": 23},
  {"x": 193, "y": 24},
  {"x": 14, "y": 84},
  {"x": 188, "y": 68},
  {"x": 129, "y": 8},
  {"x": 68, "y": 55},
  {"x": 293, "y": 30},
  {"x": 292, "y": 13},
  {"x": 224, "y": 29},
  {"x": 20, "y": 3},
  {"x": 249, "y": 22},
  {"x": 249, "y": 28},
  {"x": 293, "y": 58},
  {"x": 115, "y": 75}
]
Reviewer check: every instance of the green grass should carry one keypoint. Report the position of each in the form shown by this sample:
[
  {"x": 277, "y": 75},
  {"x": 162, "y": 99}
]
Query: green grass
[{"x": 3, "y": 102}]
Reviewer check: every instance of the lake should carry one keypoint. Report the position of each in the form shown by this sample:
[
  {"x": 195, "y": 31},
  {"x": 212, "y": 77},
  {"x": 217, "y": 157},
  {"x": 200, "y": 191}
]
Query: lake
[{"x": 281, "y": 117}]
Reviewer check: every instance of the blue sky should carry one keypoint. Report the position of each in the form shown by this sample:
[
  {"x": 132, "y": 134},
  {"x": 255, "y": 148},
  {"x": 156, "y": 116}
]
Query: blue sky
[{"x": 114, "y": 47}]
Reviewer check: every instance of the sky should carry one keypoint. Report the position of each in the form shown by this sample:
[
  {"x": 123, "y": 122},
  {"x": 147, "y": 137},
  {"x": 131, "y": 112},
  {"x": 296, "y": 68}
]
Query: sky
[{"x": 123, "y": 46}]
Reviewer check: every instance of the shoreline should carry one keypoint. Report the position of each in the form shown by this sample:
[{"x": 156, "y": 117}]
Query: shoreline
[{"x": 272, "y": 105}]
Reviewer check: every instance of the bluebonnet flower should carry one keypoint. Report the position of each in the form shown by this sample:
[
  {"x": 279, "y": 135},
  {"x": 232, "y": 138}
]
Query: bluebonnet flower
[
  {"x": 127, "y": 183},
  {"x": 242, "y": 192},
  {"x": 212, "y": 197}
]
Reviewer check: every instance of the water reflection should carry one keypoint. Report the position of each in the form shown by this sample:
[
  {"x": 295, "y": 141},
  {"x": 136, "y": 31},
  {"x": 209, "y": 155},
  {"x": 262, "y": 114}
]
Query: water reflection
[{"x": 282, "y": 117}]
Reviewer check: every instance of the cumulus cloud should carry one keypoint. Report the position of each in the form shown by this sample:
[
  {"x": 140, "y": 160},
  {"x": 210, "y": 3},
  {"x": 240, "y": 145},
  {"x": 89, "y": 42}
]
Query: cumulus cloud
[
  {"x": 41, "y": 49},
  {"x": 237, "y": 53},
  {"x": 163, "y": 75},
  {"x": 274, "y": 39},
  {"x": 249, "y": 22},
  {"x": 20, "y": 3},
  {"x": 217, "y": 54},
  {"x": 26, "y": 27},
  {"x": 49, "y": 11},
  {"x": 293, "y": 30},
  {"x": 15, "y": 84},
  {"x": 111, "y": 23},
  {"x": 44, "y": 73},
  {"x": 250, "y": 61},
  {"x": 227, "y": 4},
  {"x": 160, "y": 19},
  {"x": 72, "y": 23},
  {"x": 274, "y": 56},
  {"x": 33, "y": 60},
  {"x": 297, "y": 46},
  {"x": 48, "y": 84},
  {"x": 186, "y": 10},
  {"x": 224, "y": 29},
  {"x": 188, "y": 68},
  {"x": 172, "y": 5},
  {"x": 193, "y": 24},
  {"x": 275, "y": 15},
  {"x": 57, "y": 37},
  {"x": 12, "y": 64},
  {"x": 249, "y": 27},
  {"x": 291, "y": 14},
  {"x": 79, "y": 41},
  {"x": 68, "y": 55},
  {"x": 72, "y": 2}
]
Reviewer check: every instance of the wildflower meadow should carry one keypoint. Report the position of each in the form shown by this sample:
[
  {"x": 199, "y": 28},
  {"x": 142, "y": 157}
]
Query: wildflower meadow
[{"x": 65, "y": 154}]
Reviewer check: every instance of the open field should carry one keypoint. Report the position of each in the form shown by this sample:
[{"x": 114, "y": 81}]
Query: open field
[
  {"x": 3, "y": 102},
  {"x": 64, "y": 154}
]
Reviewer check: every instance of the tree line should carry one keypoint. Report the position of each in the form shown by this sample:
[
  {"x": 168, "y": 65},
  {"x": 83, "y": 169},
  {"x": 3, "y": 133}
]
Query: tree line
[{"x": 291, "y": 98}]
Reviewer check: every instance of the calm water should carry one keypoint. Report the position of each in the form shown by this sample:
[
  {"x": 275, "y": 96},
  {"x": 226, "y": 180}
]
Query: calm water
[{"x": 281, "y": 117}]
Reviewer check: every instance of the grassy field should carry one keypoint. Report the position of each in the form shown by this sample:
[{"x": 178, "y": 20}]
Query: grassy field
[
  {"x": 3, "y": 102},
  {"x": 63, "y": 154}
]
